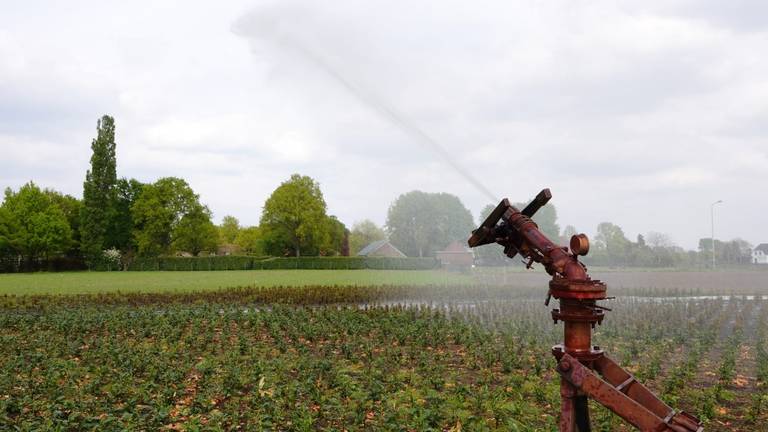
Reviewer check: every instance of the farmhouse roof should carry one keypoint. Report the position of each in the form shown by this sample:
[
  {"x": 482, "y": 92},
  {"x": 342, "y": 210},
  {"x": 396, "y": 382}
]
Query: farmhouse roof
[
  {"x": 374, "y": 246},
  {"x": 762, "y": 247}
]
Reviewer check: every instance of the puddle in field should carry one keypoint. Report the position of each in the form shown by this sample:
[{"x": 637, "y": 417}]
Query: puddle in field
[
  {"x": 689, "y": 298},
  {"x": 475, "y": 303},
  {"x": 470, "y": 306}
]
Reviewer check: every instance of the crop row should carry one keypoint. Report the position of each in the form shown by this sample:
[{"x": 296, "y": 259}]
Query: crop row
[{"x": 335, "y": 358}]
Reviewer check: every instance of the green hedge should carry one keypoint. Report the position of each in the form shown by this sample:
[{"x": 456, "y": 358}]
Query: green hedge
[
  {"x": 14, "y": 264},
  {"x": 272, "y": 263}
]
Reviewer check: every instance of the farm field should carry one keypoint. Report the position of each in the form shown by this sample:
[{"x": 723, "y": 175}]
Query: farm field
[
  {"x": 160, "y": 281},
  {"x": 676, "y": 282},
  {"x": 366, "y": 357}
]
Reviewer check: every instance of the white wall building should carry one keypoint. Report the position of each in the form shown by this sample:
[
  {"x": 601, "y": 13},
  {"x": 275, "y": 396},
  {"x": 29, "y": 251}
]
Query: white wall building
[{"x": 760, "y": 254}]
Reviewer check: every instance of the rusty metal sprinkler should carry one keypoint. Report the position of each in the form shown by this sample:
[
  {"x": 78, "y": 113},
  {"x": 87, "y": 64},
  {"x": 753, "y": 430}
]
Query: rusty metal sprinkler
[{"x": 585, "y": 371}]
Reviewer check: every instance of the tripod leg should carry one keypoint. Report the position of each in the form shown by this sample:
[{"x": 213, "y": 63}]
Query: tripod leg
[
  {"x": 582, "y": 413},
  {"x": 567, "y": 406},
  {"x": 642, "y": 413}
]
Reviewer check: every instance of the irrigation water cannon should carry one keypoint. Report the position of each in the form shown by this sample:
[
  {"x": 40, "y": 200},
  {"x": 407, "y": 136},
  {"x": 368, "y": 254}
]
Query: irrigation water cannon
[{"x": 585, "y": 371}]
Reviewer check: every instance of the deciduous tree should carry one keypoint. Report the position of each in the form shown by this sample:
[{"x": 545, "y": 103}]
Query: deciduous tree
[
  {"x": 8, "y": 230},
  {"x": 656, "y": 239},
  {"x": 158, "y": 211},
  {"x": 294, "y": 218},
  {"x": 34, "y": 224},
  {"x": 337, "y": 239},
  {"x": 421, "y": 223},
  {"x": 250, "y": 241},
  {"x": 120, "y": 234},
  {"x": 363, "y": 233},
  {"x": 195, "y": 232},
  {"x": 229, "y": 229},
  {"x": 72, "y": 209},
  {"x": 611, "y": 244}
]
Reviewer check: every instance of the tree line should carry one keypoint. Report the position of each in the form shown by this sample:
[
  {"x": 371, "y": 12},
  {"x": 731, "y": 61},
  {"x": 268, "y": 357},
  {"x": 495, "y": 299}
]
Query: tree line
[
  {"x": 610, "y": 247},
  {"x": 121, "y": 218}
]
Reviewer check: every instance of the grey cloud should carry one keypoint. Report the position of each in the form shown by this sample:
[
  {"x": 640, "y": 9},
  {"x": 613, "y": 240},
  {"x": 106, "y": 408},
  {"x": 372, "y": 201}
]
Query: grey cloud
[
  {"x": 619, "y": 108},
  {"x": 45, "y": 115},
  {"x": 737, "y": 15},
  {"x": 642, "y": 87}
]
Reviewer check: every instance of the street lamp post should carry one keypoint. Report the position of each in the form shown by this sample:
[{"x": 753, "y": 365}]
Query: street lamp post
[{"x": 712, "y": 214}]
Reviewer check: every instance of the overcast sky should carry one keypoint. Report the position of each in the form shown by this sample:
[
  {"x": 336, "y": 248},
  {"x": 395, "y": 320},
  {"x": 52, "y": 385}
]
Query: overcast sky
[{"x": 638, "y": 113}]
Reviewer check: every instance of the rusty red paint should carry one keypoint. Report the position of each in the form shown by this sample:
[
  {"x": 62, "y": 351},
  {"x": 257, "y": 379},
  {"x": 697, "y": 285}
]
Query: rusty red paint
[{"x": 580, "y": 364}]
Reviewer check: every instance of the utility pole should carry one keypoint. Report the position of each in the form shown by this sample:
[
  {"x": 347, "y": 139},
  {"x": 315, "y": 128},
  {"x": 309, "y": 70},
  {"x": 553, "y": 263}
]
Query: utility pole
[{"x": 712, "y": 215}]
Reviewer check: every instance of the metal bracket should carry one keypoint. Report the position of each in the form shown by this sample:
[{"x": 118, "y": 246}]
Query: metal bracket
[{"x": 625, "y": 396}]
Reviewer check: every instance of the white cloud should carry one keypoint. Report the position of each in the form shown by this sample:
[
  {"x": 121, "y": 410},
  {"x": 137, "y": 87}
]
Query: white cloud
[{"x": 640, "y": 114}]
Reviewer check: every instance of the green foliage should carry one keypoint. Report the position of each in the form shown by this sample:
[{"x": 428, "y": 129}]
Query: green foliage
[
  {"x": 33, "y": 224},
  {"x": 208, "y": 362},
  {"x": 294, "y": 220},
  {"x": 337, "y": 240},
  {"x": 236, "y": 262},
  {"x": 103, "y": 282},
  {"x": 157, "y": 213},
  {"x": 610, "y": 247},
  {"x": 311, "y": 358},
  {"x": 231, "y": 262},
  {"x": 99, "y": 193},
  {"x": 347, "y": 263},
  {"x": 610, "y": 244},
  {"x": 195, "y": 232},
  {"x": 364, "y": 233},
  {"x": 8, "y": 230},
  {"x": 421, "y": 223},
  {"x": 72, "y": 208},
  {"x": 229, "y": 230},
  {"x": 120, "y": 234},
  {"x": 736, "y": 251},
  {"x": 250, "y": 241}
]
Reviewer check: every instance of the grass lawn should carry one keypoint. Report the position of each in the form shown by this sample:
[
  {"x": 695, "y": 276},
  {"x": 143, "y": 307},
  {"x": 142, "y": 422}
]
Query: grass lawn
[{"x": 103, "y": 282}]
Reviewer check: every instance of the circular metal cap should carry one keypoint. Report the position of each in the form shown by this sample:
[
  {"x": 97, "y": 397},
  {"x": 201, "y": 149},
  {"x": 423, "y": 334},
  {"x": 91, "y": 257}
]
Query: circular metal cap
[{"x": 580, "y": 244}]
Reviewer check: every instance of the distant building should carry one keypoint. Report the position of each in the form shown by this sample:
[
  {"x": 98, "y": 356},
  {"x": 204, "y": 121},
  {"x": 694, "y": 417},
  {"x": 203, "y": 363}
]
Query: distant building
[
  {"x": 228, "y": 249},
  {"x": 381, "y": 248},
  {"x": 760, "y": 254},
  {"x": 456, "y": 256}
]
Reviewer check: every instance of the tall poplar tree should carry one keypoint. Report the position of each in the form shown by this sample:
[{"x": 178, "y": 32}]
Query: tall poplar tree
[{"x": 99, "y": 193}]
